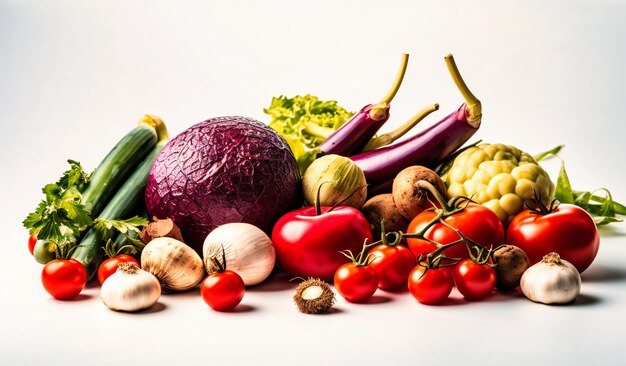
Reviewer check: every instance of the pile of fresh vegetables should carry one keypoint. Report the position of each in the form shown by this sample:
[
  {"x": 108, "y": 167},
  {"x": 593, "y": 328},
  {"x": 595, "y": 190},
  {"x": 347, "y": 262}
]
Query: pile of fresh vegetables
[{"x": 319, "y": 195}]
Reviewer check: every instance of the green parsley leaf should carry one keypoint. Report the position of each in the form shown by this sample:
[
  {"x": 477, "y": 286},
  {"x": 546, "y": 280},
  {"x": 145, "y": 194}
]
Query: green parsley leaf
[
  {"x": 60, "y": 217},
  {"x": 74, "y": 177},
  {"x": 104, "y": 226}
]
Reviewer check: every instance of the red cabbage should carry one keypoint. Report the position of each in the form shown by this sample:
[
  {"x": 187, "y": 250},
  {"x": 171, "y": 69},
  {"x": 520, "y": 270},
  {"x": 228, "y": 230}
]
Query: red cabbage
[{"x": 222, "y": 170}]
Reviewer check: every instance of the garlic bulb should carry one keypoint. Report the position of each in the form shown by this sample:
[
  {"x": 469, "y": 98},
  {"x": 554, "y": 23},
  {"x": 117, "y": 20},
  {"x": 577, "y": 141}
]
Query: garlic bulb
[
  {"x": 174, "y": 263},
  {"x": 130, "y": 289},
  {"x": 551, "y": 281},
  {"x": 248, "y": 251}
]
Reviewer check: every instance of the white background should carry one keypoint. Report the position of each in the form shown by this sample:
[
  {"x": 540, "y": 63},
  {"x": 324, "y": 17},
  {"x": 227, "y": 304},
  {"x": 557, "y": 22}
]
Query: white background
[{"x": 75, "y": 76}]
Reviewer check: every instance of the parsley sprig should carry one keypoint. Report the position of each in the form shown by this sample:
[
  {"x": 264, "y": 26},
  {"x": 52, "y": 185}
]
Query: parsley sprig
[{"x": 60, "y": 217}]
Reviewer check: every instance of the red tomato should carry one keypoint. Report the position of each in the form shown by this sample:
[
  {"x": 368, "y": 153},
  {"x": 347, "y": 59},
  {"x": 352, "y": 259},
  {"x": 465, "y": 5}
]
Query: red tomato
[
  {"x": 432, "y": 287},
  {"x": 476, "y": 222},
  {"x": 32, "y": 240},
  {"x": 109, "y": 266},
  {"x": 474, "y": 281},
  {"x": 392, "y": 264},
  {"x": 354, "y": 283},
  {"x": 222, "y": 291},
  {"x": 308, "y": 245},
  {"x": 63, "y": 279},
  {"x": 568, "y": 230}
]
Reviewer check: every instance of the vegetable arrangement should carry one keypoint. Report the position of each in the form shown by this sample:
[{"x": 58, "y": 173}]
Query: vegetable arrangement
[{"x": 319, "y": 195}]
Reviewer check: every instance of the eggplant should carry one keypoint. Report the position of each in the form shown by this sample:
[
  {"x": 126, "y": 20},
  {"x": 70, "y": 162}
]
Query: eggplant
[
  {"x": 429, "y": 147},
  {"x": 353, "y": 135}
]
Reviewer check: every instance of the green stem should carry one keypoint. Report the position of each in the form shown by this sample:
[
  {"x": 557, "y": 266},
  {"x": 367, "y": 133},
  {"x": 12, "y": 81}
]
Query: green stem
[
  {"x": 318, "y": 131},
  {"x": 396, "y": 84},
  {"x": 474, "y": 107},
  {"x": 442, "y": 201},
  {"x": 380, "y": 110},
  {"x": 387, "y": 138}
]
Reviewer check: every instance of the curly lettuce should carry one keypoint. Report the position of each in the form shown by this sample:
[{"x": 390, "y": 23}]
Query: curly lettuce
[{"x": 304, "y": 122}]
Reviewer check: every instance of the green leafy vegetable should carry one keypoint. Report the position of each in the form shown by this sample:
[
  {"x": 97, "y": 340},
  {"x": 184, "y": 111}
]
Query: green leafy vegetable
[
  {"x": 131, "y": 245},
  {"x": 60, "y": 217},
  {"x": 104, "y": 226},
  {"x": 602, "y": 208},
  {"x": 304, "y": 122}
]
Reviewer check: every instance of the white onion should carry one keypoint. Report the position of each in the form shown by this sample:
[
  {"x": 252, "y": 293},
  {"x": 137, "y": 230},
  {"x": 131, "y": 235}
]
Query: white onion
[{"x": 248, "y": 250}]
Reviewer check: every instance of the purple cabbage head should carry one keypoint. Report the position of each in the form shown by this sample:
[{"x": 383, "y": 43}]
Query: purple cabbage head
[{"x": 222, "y": 170}]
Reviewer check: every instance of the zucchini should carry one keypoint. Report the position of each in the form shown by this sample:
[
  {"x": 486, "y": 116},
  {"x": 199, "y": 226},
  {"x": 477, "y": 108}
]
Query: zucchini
[
  {"x": 126, "y": 202},
  {"x": 117, "y": 165}
]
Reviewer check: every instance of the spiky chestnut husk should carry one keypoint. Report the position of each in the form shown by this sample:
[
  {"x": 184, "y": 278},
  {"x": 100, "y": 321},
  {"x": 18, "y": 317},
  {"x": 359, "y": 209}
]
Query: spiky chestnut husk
[{"x": 321, "y": 303}]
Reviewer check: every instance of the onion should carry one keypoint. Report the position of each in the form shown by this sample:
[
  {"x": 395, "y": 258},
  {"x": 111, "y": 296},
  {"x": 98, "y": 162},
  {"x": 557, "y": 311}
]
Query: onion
[{"x": 247, "y": 249}]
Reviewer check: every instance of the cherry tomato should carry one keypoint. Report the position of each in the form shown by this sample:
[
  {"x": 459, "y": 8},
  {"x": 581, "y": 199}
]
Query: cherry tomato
[
  {"x": 222, "y": 291},
  {"x": 568, "y": 230},
  {"x": 432, "y": 287},
  {"x": 308, "y": 245},
  {"x": 476, "y": 222},
  {"x": 356, "y": 283},
  {"x": 64, "y": 279},
  {"x": 32, "y": 240},
  {"x": 474, "y": 281},
  {"x": 392, "y": 265},
  {"x": 109, "y": 266}
]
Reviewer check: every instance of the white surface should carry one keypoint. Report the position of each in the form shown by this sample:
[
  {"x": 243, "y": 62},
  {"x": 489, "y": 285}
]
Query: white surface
[{"x": 74, "y": 76}]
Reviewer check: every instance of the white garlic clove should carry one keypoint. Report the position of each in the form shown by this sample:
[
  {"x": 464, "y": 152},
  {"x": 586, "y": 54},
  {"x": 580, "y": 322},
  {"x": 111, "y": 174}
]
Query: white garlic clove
[
  {"x": 130, "y": 289},
  {"x": 551, "y": 281}
]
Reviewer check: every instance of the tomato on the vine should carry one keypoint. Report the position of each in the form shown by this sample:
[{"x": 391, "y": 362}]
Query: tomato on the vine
[
  {"x": 430, "y": 286},
  {"x": 567, "y": 230},
  {"x": 473, "y": 280},
  {"x": 222, "y": 291},
  {"x": 64, "y": 279},
  {"x": 476, "y": 222},
  {"x": 109, "y": 266},
  {"x": 32, "y": 240},
  {"x": 356, "y": 283},
  {"x": 392, "y": 264}
]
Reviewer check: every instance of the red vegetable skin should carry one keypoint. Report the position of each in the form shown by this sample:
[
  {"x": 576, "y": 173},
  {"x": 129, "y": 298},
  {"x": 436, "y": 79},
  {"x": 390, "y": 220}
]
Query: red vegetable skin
[
  {"x": 32, "y": 240},
  {"x": 64, "y": 279},
  {"x": 476, "y": 222},
  {"x": 568, "y": 230},
  {"x": 428, "y": 147},
  {"x": 356, "y": 283},
  {"x": 109, "y": 266},
  {"x": 308, "y": 244},
  {"x": 392, "y": 264},
  {"x": 353, "y": 135},
  {"x": 223, "y": 291},
  {"x": 431, "y": 287},
  {"x": 474, "y": 281}
]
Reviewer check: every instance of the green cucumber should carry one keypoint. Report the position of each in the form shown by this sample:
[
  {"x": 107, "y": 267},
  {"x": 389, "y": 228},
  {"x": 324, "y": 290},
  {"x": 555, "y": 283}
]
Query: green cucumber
[
  {"x": 117, "y": 166},
  {"x": 126, "y": 202}
]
